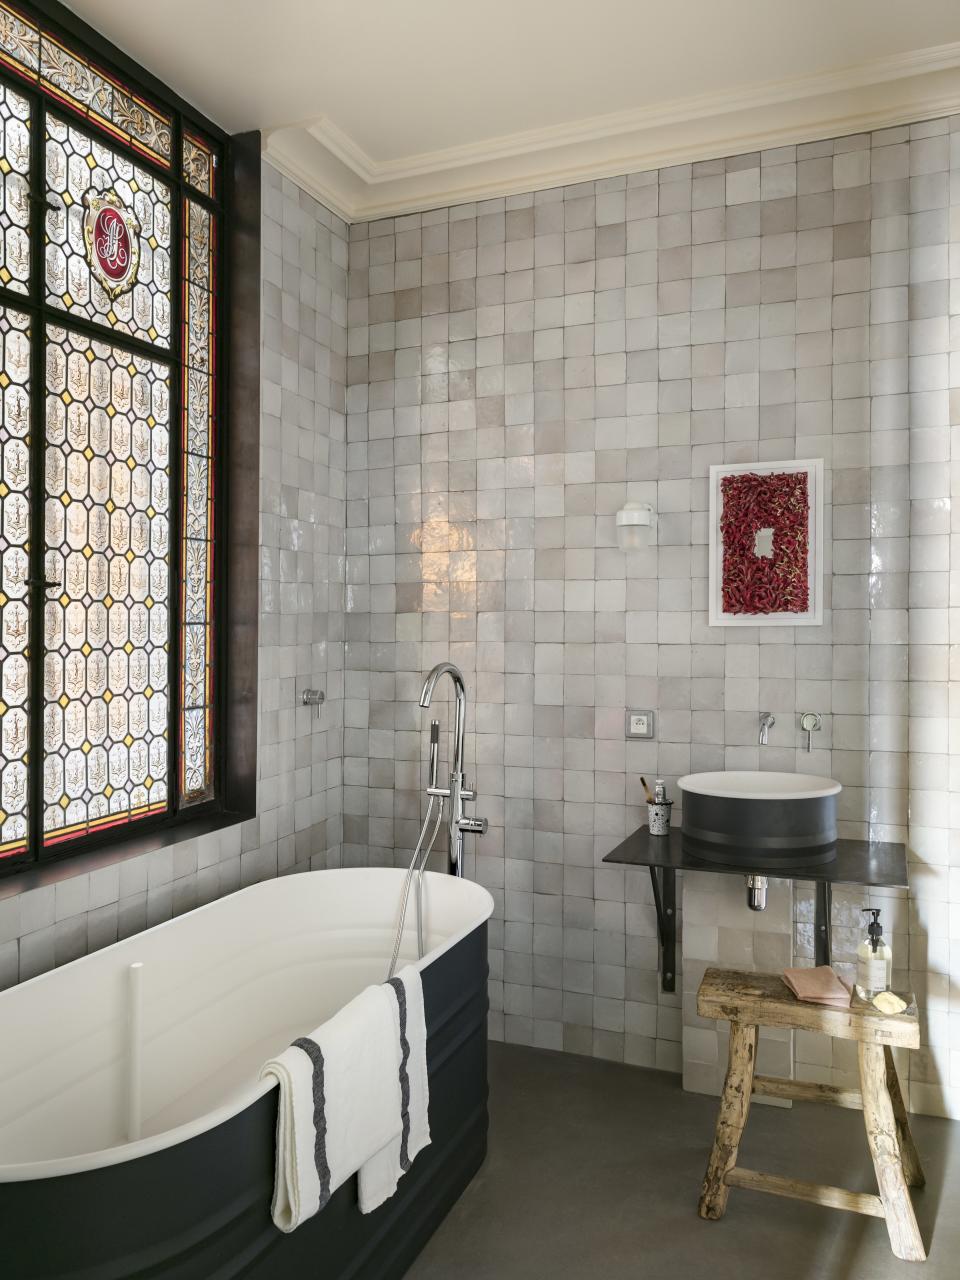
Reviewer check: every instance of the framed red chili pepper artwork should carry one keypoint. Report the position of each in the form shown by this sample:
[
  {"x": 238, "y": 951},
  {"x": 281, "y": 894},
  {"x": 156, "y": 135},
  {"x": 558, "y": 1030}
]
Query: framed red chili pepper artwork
[{"x": 766, "y": 544}]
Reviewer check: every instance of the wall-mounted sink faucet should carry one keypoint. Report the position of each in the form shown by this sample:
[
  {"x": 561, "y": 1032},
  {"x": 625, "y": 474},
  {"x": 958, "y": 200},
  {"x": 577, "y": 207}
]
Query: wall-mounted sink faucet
[
  {"x": 767, "y": 721},
  {"x": 459, "y": 823}
]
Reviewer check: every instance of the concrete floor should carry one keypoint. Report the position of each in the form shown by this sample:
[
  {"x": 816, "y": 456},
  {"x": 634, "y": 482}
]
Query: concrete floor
[{"x": 594, "y": 1170}]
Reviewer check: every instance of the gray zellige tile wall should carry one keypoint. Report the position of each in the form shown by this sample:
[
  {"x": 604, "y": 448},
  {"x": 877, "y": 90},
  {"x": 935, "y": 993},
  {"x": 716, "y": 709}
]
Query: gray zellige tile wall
[
  {"x": 302, "y": 458},
  {"x": 517, "y": 370}
]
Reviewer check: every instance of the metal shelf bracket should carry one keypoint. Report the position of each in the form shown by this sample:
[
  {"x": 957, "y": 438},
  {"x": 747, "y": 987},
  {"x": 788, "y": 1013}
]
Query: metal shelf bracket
[
  {"x": 822, "y": 916},
  {"x": 664, "y": 880}
]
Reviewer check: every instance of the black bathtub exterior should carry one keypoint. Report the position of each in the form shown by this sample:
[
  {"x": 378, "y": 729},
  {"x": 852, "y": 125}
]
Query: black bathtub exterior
[{"x": 201, "y": 1210}]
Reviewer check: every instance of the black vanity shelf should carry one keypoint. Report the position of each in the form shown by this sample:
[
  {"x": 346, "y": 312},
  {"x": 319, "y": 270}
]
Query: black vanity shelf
[{"x": 860, "y": 862}]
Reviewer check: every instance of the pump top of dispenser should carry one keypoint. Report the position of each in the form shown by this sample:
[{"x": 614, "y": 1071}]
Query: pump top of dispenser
[{"x": 875, "y": 928}]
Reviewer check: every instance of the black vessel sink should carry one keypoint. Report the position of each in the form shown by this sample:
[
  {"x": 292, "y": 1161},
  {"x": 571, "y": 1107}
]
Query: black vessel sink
[{"x": 771, "y": 820}]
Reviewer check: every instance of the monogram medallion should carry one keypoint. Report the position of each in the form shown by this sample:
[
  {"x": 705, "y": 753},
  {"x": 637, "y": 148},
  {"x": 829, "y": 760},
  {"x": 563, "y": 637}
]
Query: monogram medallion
[{"x": 111, "y": 234}]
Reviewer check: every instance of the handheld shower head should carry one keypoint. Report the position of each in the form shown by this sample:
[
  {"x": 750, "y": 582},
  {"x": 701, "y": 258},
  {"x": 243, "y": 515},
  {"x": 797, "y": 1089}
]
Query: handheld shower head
[{"x": 434, "y": 752}]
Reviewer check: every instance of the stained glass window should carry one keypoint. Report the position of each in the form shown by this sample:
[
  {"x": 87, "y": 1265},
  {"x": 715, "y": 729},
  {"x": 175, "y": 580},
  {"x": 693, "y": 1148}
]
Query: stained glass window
[
  {"x": 102, "y": 267},
  {"x": 106, "y": 628},
  {"x": 109, "y": 366},
  {"x": 199, "y": 164},
  {"x": 14, "y": 602},
  {"x": 198, "y": 399},
  {"x": 37, "y": 56},
  {"x": 14, "y": 190}
]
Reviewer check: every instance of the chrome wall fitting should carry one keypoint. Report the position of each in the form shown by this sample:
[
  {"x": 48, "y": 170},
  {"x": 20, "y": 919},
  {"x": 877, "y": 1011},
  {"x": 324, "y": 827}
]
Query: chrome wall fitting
[
  {"x": 314, "y": 698},
  {"x": 810, "y": 723}
]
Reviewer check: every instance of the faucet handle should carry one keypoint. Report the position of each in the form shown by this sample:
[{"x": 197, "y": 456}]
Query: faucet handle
[
  {"x": 810, "y": 723},
  {"x": 314, "y": 698},
  {"x": 473, "y": 826}
]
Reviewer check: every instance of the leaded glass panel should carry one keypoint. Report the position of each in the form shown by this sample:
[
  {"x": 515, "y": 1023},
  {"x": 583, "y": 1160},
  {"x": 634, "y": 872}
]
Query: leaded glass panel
[
  {"x": 199, "y": 164},
  {"x": 106, "y": 629},
  {"x": 69, "y": 77},
  {"x": 14, "y": 601},
  {"x": 19, "y": 41},
  {"x": 107, "y": 665},
  {"x": 108, "y": 236},
  {"x": 198, "y": 402},
  {"x": 14, "y": 190}
]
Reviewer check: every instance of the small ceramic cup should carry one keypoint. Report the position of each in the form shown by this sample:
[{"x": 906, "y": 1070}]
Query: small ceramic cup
[{"x": 658, "y": 816}]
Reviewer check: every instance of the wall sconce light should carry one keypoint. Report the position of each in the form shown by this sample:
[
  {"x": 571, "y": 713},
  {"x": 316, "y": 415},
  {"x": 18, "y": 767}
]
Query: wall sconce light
[{"x": 636, "y": 523}]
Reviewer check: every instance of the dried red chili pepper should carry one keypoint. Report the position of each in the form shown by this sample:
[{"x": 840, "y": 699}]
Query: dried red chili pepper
[{"x": 753, "y": 584}]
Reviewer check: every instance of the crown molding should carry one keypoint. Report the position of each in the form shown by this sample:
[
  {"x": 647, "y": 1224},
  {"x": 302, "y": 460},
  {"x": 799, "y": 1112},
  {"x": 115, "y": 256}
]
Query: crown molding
[
  {"x": 284, "y": 150},
  {"x": 319, "y": 156},
  {"x": 617, "y": 124}
]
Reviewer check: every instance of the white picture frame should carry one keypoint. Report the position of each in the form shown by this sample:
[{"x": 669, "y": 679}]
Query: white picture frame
[{"x": 813, "y": 617}]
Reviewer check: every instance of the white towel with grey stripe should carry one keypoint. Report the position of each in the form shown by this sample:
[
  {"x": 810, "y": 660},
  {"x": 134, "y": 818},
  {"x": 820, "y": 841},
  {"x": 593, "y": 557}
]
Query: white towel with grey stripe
[
  {"x": 341, "y": 1110},
  {"x": 380, "y": 1175}
]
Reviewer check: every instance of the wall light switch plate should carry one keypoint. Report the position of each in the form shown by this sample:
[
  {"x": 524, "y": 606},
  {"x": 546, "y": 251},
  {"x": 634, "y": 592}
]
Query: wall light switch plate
[{"x": 639, "y": 724}]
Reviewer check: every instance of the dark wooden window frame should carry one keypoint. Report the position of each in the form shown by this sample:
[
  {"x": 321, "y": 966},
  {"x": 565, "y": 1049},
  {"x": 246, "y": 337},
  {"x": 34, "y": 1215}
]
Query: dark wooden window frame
[{"x": 236, "y": 530}]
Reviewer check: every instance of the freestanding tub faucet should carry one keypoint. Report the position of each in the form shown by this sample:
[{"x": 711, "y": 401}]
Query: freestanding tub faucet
[{"x": 459, "y": 824}]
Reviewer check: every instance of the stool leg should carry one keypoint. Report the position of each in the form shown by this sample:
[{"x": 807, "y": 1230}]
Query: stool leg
[
  {"x": 734, "y": 1107},
  {"x": 878, "y": 1118},
  {"x": 912, "y": 1169}
]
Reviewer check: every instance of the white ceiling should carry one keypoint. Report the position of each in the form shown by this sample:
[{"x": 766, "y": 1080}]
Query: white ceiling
[{"x": 380, "y": 105}]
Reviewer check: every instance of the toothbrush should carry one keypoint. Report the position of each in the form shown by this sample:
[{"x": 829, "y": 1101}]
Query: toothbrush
[{"x": 646, "y": 790}]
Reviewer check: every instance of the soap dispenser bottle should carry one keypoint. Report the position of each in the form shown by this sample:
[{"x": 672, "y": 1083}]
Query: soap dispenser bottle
[{"x": 874, "y": 959}]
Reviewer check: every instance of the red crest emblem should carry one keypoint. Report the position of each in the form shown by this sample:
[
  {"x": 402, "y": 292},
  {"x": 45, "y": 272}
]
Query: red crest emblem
[{"x": 110, "y": 234}]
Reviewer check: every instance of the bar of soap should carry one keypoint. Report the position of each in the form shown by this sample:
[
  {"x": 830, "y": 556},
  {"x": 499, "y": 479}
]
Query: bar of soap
[{"x": 887, "y": 1002}]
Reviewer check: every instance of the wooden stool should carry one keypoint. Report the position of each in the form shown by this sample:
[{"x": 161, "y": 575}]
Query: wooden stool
[{"x": 750, "y": 1000}]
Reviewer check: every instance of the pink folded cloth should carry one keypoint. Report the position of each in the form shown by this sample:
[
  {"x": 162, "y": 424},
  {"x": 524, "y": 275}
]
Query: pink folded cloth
[{"x": 818, "y": 986}]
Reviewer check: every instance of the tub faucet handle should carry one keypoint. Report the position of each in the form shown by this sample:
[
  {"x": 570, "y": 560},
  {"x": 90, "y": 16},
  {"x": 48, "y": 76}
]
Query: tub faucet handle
[
  {"x": 473, "y": 826},
  {"x": 470, "y": 826}
]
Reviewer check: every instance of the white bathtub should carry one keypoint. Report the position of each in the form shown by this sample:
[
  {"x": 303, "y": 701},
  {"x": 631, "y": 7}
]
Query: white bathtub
[{"x": 223, "y": 988}]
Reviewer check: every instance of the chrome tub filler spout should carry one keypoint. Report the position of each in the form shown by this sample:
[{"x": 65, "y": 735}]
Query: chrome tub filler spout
[{"x": 457, "y": 793}]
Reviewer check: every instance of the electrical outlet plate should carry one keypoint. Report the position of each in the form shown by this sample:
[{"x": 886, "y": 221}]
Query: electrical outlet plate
[{"x": 638, "y": 724}]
